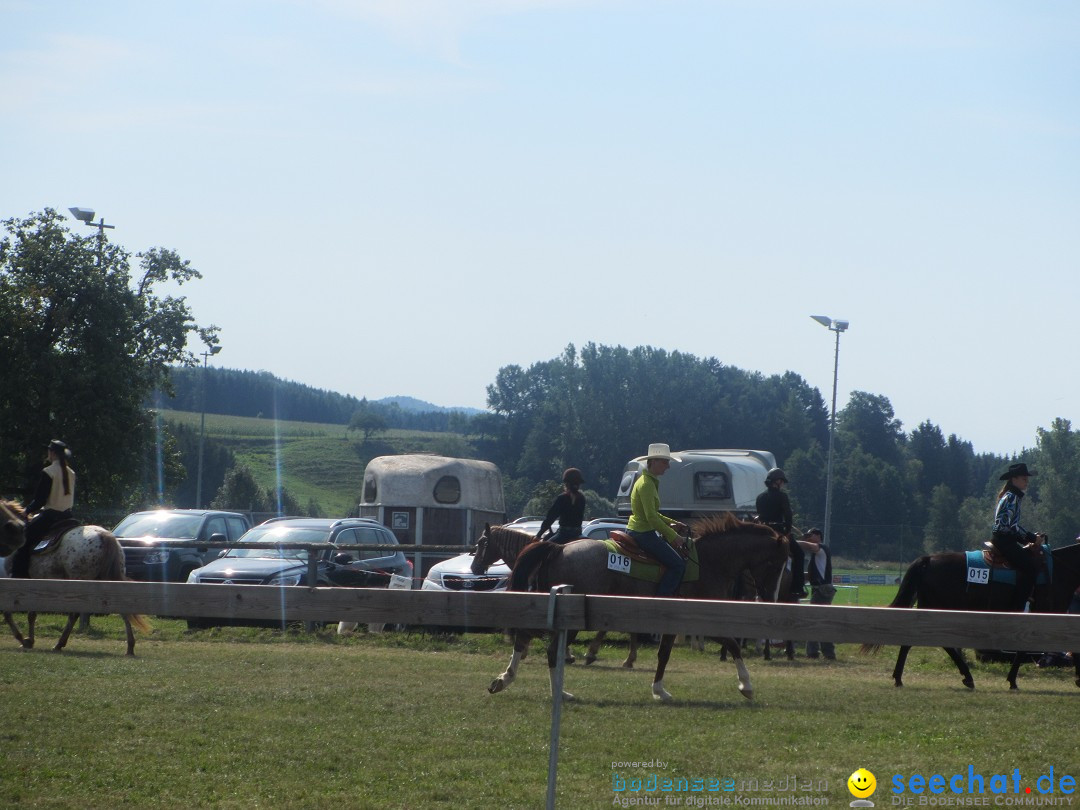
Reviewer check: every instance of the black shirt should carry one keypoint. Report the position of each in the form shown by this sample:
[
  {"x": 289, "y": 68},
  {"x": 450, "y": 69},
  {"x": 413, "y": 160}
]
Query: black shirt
[
  {"x": 774, "y": 510},
  {"x": 570, "y": 512}
]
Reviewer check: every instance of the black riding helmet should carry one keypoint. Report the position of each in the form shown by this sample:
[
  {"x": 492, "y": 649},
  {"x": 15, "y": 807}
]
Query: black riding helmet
[{"x": 573, "y": 477}]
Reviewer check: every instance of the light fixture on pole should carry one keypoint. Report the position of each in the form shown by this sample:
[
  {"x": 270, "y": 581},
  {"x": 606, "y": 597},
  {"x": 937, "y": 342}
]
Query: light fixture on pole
[
  {"x": 837, "y": 327},
  {"x": 86, "y": 216},
  {"x": 202, "y": 425}
]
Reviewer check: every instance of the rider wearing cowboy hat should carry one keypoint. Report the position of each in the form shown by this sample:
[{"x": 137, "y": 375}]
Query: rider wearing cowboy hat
[
  {"x": 568, "y": 509},
  {"x": 1009, "y": 536},
  {"x": 52, "y": 501},
  {"x": 656, "y": 534}
]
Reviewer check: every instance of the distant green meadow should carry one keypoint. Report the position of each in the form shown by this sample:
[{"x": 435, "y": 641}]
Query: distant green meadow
[{"x": 239, "y": 718}]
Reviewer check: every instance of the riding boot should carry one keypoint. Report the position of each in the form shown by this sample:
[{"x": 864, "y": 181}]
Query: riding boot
[{"x": 20, "y": 562}]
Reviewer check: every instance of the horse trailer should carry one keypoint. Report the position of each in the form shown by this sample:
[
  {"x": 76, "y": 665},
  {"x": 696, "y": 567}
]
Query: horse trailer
[
  {"x": 705, "y": 482},
  {"x": 432, "y": 501}
]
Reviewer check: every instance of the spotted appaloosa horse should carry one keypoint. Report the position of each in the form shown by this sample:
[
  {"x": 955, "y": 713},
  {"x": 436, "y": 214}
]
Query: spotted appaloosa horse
[
  {"x": 725, "y": 545},
  {"x": 85, "y": 552}
]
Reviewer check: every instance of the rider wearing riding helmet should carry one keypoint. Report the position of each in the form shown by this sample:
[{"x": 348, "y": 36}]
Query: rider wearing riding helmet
[
  {"x": 1009, "y": 536},
  {"x": 568, "y": 509},
  {"x": 52, "y": 502},
  {"x": 774, "y": 510},
  {"x": 656, "y": 534}
]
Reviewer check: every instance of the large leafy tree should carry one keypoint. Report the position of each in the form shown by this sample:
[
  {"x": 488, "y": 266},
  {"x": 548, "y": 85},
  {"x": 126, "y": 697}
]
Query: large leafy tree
[{"x": 85, "y": 338}]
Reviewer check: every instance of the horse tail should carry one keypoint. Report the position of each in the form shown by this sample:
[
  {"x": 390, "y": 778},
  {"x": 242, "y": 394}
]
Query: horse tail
[
  {"x": 527, "y": 566},
  {"x": 113, "y": 569},
  {"x": 908, "y": 593}
]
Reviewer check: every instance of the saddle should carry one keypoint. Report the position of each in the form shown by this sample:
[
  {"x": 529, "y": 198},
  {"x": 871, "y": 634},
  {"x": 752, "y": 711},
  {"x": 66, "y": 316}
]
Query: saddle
[
  {"x": 995, "y": 559},
  {"x": 52, "y": 537},
  {"x": 628, "y": 547}
]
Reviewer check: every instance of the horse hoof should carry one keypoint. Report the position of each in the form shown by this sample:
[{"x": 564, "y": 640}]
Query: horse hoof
[
  {"x": 497, "y": 685},
  {"x": 898, "y": 683},
  {"x": 969, "y": 683},
  {"x": 567, "y": 696},
  {"x": 662, "y": 695},
  {"x": 590, "y": 659},
  {"x": 28, "y": 645},
  {"x": 570, "y": 659},
  {"x": 1012, "y": 686},
  {"x": 747, "y": 693}
]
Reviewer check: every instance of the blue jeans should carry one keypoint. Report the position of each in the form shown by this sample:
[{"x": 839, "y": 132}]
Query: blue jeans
[{"x": 656, "y": 546}]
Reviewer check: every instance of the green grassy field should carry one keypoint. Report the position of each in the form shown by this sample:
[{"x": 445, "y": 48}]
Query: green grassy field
[
  {"x": 316, "y": 461},
  {"x": 238, "y": 718}
]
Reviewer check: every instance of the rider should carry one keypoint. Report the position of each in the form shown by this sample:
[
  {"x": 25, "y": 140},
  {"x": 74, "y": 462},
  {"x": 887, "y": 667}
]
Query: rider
[
  {"x": 568, "y": 509},
  {"x": 1009, "y": 536},
  {"x": 774, "y": 510},
  {"x": 52, "y": 501},
  {"x": 656, "y": 534}
]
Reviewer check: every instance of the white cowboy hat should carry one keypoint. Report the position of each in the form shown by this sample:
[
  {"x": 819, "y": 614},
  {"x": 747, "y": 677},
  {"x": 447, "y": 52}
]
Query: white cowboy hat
[{"x": 660, "y": 451}]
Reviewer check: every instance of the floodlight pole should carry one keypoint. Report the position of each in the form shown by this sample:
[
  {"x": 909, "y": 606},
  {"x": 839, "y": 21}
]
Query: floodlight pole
[
  {"x": 202, "y": 425},
  {"x": 86, "y": 216},
  {"x": 837, "y": 327}
]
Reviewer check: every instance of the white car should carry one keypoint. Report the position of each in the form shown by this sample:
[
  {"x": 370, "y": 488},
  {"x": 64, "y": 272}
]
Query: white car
[{"x": 456, "y": 573}]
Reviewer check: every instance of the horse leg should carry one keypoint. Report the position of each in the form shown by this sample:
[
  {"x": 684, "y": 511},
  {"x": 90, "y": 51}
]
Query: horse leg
[
  {"x": 31, "y": 620},
  {"x": 62, "y": 641},
  {"x": 663, "y": 655},
  {"x": 130, "y": 634},
  {"x": 768, "y": 648},
  {"x": 1076, "y": 664},
  {"x": 521, "y": 644},
  {"x": 746, "y": 689},
  {"x": 898, "y": 670},
  {"x": 553, "y": 660},
  {"x": 789, "y": 650},
  {"x": 1014, "y": 670},
  {"x": 631, "y": 656},
  {"x": 15, "y": 631},
  {"x": 958, "y": 658},
  {"x": 594, "y": 647}
]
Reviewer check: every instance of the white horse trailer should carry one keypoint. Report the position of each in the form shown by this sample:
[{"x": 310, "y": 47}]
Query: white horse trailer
[
  {"x": 705, "y": 482},
  {"x": 432, "y": 500}
]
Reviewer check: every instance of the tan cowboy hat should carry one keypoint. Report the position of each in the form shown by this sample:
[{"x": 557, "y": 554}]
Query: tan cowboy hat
[{"x": 660, "y": 451}]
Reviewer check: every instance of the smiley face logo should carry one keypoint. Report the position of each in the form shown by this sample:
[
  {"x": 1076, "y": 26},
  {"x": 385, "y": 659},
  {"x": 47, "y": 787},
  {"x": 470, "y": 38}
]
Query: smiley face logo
[{"x": 861, "y": 783}]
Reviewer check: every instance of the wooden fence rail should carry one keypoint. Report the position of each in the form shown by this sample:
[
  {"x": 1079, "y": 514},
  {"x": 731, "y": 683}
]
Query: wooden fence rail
[{"x": 531, "y": 611}]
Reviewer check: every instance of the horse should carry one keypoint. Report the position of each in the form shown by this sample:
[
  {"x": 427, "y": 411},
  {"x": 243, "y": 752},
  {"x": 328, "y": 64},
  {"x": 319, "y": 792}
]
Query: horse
[
  {"x": 84, "y": 552},
  {"x": 939, "y": 582},
  {"x": 725, "y": 546},
  {"x": 506, "y": 543}
]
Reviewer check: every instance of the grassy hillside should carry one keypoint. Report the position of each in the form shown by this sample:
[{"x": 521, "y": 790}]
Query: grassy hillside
[{"x": 319, "y": 461}]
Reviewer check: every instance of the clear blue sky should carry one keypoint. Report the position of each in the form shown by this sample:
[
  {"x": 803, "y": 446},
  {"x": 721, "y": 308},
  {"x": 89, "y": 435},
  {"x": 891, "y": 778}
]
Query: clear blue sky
[{"x": 401, "y": 197}]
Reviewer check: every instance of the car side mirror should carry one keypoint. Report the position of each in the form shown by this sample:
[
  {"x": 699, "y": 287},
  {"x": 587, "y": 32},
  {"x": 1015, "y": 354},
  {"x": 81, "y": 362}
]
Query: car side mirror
[
  {"x": 343, "y": 558},
  {"x": 216, "y": 537}
]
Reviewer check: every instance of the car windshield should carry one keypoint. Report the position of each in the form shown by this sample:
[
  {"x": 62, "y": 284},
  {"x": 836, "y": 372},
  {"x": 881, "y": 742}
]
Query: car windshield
[
  {"x": 272, "y": 535},
  {"x": 160, "y": 524}
]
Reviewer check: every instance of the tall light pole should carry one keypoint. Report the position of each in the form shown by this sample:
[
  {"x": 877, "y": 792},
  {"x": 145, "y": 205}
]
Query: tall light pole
[
  {"x": 202, "y": 424},
  {"x": 837, "y": 327},
  {"x": 86, "y": 216}
]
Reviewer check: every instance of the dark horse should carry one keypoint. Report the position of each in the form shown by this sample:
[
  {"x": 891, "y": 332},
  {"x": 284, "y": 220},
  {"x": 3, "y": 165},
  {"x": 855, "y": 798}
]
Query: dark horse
[
  {"x": 939, "y": 582},
  {"x": 726, "y": 546},
  {"x": 85, "y": 552}
]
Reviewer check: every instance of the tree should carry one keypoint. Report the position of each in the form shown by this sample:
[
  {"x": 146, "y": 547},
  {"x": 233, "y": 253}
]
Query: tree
[
  {"x": 943, "y": 528},
  {"x": 367, "y": 419},
  {"x": 84, "y": 342},
  {"x": 1058, "y": 482}
]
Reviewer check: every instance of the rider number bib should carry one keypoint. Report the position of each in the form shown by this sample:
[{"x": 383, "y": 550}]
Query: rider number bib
[
  {"x": 618, "y": 562},
  {"x": 979, "y": 576}
]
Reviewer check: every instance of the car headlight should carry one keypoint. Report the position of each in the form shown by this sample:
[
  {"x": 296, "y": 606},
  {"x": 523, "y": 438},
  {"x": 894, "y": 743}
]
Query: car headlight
[
  {"x": 156, "y": 558},
  {"x": 289, "y": 578}
]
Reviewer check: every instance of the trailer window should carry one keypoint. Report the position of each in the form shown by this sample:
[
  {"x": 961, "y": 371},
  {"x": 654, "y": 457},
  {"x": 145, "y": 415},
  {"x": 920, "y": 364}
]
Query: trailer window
[
  {"x": 371, "y": 489},
  {"x": 711, "y": 486},
  {"x": 448, "y": 489}
]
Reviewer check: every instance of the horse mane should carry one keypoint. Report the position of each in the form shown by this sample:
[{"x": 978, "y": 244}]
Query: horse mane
[
  {"x": 725, "y": 523},
  {"x": 13, "y": 510},
  {"x": 512, "y": 540}
]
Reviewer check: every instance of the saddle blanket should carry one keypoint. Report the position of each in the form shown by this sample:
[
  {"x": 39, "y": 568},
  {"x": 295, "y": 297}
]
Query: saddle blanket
[
  {"x": 647, "y": 571},
  {"x": 979, "y": 571}
]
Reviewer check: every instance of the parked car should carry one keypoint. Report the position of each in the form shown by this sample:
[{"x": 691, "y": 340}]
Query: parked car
[
  {"x": 455, "y": 574},
  {"x": 146, "y": 539},
  {"x": 274, "y": 565}
]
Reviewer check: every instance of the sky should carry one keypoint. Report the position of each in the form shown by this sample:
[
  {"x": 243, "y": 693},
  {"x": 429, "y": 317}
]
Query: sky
[{"x": 400, "y": 197}]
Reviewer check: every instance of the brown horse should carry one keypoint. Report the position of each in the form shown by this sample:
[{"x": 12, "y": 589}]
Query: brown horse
[
  {"x": 85, "y": 552},
  {"x": 939, "y": 582},
  {"x": 725, "y": 546}
]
